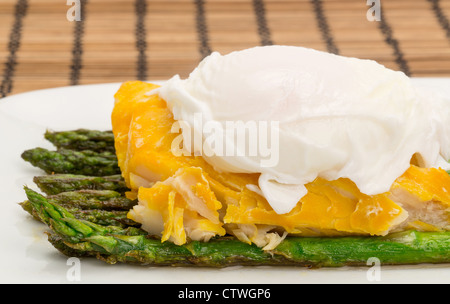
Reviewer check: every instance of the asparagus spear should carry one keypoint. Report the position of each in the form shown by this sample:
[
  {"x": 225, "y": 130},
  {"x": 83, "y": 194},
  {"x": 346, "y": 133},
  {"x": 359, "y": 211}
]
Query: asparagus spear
[
  {"x": 410, "y": 247},
  {"x": 82, "y": 139},
  {"x": 58, "y": 243},
  {"x": 105, "y": 217},
  {"x": 73, "y": 162},
  {"x": 93, "y": 199},
  {"x": 97, "y": 216},
  {"x": 114, "y": 244},
  {"x": 66, "y": 224},
  {"x": 57, "y": 183}
]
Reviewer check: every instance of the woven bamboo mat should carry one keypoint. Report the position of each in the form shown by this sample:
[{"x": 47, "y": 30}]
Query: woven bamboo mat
[{"x": 120, "y": 40}]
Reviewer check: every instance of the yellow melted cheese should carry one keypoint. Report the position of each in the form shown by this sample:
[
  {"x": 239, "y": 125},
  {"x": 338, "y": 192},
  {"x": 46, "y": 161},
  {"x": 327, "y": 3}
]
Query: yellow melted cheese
[{"x": 183, "y": 198}]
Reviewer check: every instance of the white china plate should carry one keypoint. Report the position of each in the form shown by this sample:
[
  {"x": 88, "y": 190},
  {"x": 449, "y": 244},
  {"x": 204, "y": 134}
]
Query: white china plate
[{"x": 27, "y": 257}]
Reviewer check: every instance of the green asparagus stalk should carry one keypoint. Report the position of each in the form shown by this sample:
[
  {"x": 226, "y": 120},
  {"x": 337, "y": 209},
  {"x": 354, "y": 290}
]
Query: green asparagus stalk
[
  {"x": 114, "y": 244},
  {"x": 143, "y": 250},
  {"x": 93, "y": 199},
  {"x": 57, "y": 183},
  {"x": 66, "y": 224},
  {"x": 58, "y": 243},
  {"x": 105, "y": 217},
  {"x": 410, "y": 247},
  {"x": 82, "y": 139},
  {"x": 73, "y": 162},
  {"x": 97, "y": 216}
]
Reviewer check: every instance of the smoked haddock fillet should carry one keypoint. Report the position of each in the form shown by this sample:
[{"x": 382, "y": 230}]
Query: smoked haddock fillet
[{"x": 182, "y": 198}]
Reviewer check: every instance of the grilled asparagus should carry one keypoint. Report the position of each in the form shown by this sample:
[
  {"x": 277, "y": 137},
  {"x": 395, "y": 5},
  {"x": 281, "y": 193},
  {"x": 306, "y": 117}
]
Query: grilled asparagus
[
  {"x": 97, "y": 216},
  {"x": 82, "y": 139},
  {"x": 84, "y": 162},
  {"x": 57, "y": 183},
  {"x": 131, "y": 245}
]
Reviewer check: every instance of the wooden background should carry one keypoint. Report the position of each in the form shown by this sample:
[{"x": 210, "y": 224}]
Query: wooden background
[{"x": 120, "y": 40}]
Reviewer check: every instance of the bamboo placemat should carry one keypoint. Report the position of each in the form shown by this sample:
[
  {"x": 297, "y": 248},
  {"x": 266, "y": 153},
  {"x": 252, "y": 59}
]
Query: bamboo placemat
[{"x": 120, "y": 40}]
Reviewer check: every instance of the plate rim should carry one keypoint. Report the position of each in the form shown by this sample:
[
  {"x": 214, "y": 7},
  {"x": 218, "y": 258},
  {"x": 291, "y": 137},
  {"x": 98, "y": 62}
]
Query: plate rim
[{"x": 87, "y": 85}]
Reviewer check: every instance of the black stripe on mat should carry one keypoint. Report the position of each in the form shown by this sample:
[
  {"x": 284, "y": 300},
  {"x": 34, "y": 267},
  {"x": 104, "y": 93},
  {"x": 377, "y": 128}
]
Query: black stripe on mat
[
  {"x": 324, "y": 28},
  {"x": 141, "y": 41},
  {"x": 20, "y": 12},
  {"x": 442, "y": 19},
  {"x": 202, "y": 29},
  {"x": 386, "y": 30},
  {"x": 263, "y": 29},
  {"x": 77, "y": 48}
]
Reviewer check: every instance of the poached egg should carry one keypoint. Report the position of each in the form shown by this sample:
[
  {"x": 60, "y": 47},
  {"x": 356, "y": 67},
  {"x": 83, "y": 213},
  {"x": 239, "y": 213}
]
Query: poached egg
[{"x": 331, "y": 117}]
